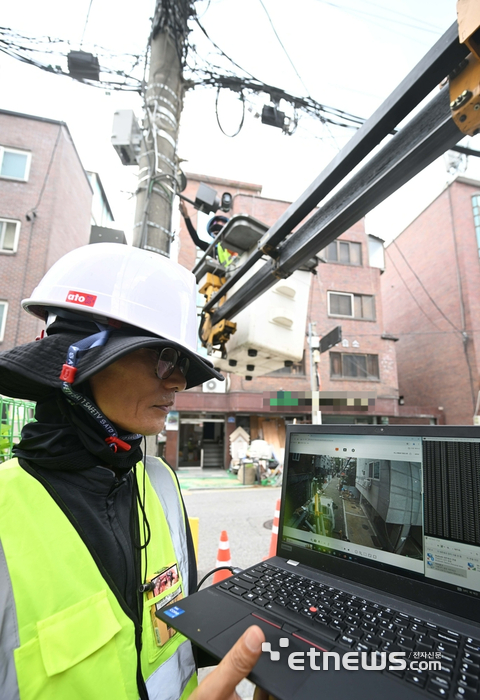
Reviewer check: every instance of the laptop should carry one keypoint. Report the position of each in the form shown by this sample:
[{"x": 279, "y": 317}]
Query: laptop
[{"x": 374, "y": 591}]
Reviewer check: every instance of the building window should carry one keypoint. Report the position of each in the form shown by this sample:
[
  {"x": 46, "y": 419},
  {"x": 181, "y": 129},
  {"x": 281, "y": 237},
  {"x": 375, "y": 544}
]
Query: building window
[
  {"x": 351, "y": 305},
  {"x": 476, "y": 218},
  {"x": 344, "y": 252},
  {"x": 9, "y": 235},
  {"x": 376, "y": 252},
  {"x": 3, "y": 318},
  {"x": 353, "y": 366},
  {"x": 101, "y": 214},
  {"x": 14, "y": 164},
  {"x": 374, "y": 470}
]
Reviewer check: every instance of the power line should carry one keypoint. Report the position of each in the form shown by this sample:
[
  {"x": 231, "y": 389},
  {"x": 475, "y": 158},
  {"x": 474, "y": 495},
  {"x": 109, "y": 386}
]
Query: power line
[
  {"x": 410, "y": 291},
  {"x": 221, "y": 50},
  {"x": 206, "y": 9},
  {"x": 283, "y": 47},
  {"x": 425, "y": 290},
  {"x": 402, "y": 14},
  {"x": 234, "y": 82},
  {"x": 9, "y": 35},
  {"x": 356, "y": 12},
  {"x": 325, "y": 113},
  {"x": 29, "y": 49},
  {"x": 86, "y": 22},
  {"x": 231, "y": 136}
]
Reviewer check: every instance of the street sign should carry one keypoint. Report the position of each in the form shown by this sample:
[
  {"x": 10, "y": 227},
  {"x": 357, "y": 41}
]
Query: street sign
[{"x": 331, "y": 339}]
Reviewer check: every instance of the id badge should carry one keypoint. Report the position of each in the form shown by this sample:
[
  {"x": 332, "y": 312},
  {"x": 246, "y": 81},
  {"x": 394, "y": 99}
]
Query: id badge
[{"x": 167, "y": 588}]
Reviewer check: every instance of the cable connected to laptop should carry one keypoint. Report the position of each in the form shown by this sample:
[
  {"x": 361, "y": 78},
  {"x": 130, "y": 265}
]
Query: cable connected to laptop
[{"x": 233, "y": 569}]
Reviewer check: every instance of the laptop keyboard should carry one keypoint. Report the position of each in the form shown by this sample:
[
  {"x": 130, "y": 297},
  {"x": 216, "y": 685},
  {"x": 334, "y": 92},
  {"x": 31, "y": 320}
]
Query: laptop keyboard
[{"x": 357, "y": 624}]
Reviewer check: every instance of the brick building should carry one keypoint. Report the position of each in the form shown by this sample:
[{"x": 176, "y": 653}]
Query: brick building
[
  {"x": 346, "y": 292},
  {"x": 431, "y": 300},
  {"x": 45, "y": 211},
  {"x": 49, "y": 205}
]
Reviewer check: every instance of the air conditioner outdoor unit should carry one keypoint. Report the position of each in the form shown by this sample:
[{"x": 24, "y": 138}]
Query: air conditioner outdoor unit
[{"x": 215, "y": 386}]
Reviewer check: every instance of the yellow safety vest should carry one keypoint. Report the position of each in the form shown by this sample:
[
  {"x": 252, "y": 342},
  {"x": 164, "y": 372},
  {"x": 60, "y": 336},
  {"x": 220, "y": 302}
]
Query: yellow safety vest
[{"x": 63, "y": 632}]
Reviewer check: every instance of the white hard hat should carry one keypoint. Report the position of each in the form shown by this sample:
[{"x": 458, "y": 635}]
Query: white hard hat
[
  {"x": 123, "y": 283},
  {"x": 127, "y": 285}
]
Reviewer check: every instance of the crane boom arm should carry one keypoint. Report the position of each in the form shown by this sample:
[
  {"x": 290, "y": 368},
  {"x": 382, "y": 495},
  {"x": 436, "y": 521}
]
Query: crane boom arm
[
  {"x": 442, "y": 58},
  {"x": 425, "y": 137}
]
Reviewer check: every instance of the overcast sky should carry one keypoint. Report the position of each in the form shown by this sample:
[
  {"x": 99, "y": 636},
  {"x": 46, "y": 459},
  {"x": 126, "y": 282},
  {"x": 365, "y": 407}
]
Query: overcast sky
[{"x": 348, "y": 54}]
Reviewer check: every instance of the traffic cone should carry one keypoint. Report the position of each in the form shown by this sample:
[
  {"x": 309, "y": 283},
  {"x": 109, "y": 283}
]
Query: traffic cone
[
  {"x": 273, "y": 542},
  {"x": 223, "y": 558}
]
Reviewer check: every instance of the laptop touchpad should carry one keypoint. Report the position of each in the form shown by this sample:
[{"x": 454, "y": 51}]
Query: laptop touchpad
[{"x": 274, "y": 676}]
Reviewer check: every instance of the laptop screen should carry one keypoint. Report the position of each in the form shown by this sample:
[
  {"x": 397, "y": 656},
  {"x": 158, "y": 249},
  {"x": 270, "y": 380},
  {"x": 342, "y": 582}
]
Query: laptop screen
[{"x": 399, "y": 499}]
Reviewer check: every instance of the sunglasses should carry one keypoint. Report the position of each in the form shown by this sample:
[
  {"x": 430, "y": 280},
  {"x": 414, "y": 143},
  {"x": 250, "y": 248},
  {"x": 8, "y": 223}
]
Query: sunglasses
[{"x": 168, "y": 360}]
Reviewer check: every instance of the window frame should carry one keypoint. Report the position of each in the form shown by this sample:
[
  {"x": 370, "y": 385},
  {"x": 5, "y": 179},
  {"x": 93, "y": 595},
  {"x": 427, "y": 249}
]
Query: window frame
[
  {"x": 374, "y": 466},
  {"x": 341, "y": 294},
  {"x": 368, "y": 378},
  {"x": 18, "y": 224},
  {"x": 353, "y": 296},
  {"x": 337, "y": 242},
  {"x": 4, "y": 319},
  {"x": 7, "y": 149}
]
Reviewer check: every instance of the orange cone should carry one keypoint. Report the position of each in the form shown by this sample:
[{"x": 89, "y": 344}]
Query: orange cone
[
  {"x": 223, "y": 558},
  {"x": 273, "y": 542}
]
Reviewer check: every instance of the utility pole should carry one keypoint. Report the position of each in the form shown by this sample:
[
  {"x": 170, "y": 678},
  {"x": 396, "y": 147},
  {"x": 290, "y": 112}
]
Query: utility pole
[
  {"x": 316, "y": 413},
  {"x": 157, "y": 177},
  {"x": 317, "y": 346},
  {"x": 158, "y": 167}
]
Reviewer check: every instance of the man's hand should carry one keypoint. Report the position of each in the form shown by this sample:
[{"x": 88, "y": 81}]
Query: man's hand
[
  {"x": 183, "y": 209},
  {"x": 220, "y": 684}
]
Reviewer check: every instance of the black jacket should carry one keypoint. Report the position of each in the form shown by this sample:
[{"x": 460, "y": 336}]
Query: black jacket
[{"x": 101, "y": 506}]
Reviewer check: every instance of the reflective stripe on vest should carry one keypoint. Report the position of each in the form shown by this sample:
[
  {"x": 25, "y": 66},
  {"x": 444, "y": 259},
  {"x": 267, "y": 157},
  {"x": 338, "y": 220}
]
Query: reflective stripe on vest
[
  {"x": 9, "y": 639},
  {"x": 175, "y": 671},
  {"x": 63, "y": 633},
  {"x": 166, "y": 488}
]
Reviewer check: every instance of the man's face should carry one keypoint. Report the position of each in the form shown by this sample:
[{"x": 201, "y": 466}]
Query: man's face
[{"x": 130, "y": 394}]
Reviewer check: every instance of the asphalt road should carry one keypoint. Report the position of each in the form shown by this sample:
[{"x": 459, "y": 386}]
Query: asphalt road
[{"x": 242, "y": 513}]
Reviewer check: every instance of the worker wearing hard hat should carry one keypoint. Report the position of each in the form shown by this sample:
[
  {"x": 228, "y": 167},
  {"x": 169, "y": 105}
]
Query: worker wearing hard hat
[{"x": 90, "y": 531}]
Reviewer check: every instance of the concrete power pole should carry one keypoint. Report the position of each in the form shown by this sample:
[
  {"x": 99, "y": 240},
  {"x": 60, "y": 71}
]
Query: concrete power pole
[
  {"x": 157, "y": 179},
  {"x": 157, "y": 174}
]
